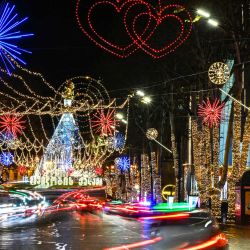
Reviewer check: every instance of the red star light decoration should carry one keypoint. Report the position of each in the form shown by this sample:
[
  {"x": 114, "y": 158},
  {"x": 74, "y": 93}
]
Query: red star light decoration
[
  {"x": 104, "y": 123},
  {"x": 11, "y": 124},
  {"x": 211, "y": 112}
]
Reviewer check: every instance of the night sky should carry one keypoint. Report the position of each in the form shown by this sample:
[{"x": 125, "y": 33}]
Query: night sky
[{"x": 61, "y": 50}]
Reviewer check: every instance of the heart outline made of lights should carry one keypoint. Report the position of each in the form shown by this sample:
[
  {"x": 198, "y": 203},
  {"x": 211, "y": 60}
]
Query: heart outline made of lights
[{"x": 132, "y": 10}]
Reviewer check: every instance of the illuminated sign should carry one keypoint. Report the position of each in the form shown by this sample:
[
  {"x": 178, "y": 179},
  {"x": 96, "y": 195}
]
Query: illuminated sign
[
  {"x": 48, "y": 181},
  {"x": 168, "y": 190}
]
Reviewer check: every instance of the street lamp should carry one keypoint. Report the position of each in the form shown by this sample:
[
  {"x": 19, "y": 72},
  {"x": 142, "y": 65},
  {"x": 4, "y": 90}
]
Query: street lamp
[
  {"x": 140, "y": 93},
  {"x": 119, "y": 116},
  {"x": 203, "y": 13},
  {"x": 146, "y": 100},
  {"x": 206, "y": 15},
  {"x": 213, "y": 22}
]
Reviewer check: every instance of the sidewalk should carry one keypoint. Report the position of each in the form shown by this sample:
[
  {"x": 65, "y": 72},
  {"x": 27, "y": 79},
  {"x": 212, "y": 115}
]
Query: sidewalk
[{"x": 238, "y": 236}]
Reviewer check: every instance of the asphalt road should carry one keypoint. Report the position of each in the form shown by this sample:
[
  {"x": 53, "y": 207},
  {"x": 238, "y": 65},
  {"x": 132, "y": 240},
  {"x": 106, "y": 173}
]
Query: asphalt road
[
  {"x": 76, "y": 231},
  {"x": 92, "y": 232}
]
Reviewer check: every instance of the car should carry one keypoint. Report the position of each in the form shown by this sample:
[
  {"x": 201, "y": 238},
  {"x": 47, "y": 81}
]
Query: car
[{"x": 188, "y": 230}]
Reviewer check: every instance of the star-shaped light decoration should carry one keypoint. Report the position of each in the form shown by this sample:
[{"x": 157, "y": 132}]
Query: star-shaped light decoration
[
  {"x": 104, "y": 123},
  {"x": 211, "y": 112},
  {"x": 6, "y": 158},
  {"x": 123, "y": 163},
  {"x": 10, "y": 35},
  {"x": 11, "y": 124}
]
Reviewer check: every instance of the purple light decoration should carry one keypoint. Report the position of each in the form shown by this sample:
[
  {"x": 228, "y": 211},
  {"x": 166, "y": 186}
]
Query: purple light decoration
[{"x": 8, "y": 33}]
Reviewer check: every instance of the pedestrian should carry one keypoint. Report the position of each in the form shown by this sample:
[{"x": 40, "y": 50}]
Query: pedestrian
[{"x": 224, "y": 211}]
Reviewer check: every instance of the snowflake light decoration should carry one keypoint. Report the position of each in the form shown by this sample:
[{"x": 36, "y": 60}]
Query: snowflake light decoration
[
  {"x": 123, "y": 163},
  {"x": 219, "y": 73},
  {"x": 119, "y": 141},
  {"x": 104, "y": 123},
  {"x": 9, "y": 22},
  {"x": 6, "y": 158},
  {"x": 11, "y": 124},
  {"x": 211, "y": 112}
]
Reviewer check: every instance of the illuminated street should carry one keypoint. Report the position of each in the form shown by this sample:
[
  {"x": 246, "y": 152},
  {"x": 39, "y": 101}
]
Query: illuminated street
[
  {"x": 90, "y": 232},
  {"x": 124, "y": 124}
]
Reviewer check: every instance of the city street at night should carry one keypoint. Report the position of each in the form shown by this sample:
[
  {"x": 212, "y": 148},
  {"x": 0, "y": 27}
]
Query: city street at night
[
  {"x": 124, "y": 124},
  {"x": 88, "y": 231}
]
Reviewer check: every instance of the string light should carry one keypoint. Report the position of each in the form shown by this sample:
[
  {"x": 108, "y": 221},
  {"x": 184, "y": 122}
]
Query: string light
[
  {"x": 41, "y": 111},
  {"x": 131, "y": 12}
]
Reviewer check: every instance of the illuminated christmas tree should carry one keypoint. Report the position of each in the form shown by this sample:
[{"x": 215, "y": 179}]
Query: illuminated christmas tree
[{"x": 59, "y": 155}]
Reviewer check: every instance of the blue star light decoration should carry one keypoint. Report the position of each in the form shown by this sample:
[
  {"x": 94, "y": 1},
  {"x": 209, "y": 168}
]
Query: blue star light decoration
[
  {"x": 6, "y": 158},
  {"x": 119, "y": 141},
  {"x": 9, "y": 34},
  {"x": 123, "y": 163}
]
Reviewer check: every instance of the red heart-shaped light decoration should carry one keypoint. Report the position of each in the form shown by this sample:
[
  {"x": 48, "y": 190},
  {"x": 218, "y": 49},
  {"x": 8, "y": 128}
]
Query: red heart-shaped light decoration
[
  {"x": 157, "y": 19},
  {"x": 118, "y": 8}
]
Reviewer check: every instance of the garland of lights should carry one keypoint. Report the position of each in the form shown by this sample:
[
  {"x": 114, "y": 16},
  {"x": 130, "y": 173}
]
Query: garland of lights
[
  {"x": 37, "y": 110},
  {"x": 141, "y": 33},
  {"x": 8, "y": 35}
]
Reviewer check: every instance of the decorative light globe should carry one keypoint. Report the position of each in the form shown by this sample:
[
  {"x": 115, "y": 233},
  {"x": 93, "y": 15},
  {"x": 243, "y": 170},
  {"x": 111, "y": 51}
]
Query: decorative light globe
[
  {"x": 152, "y": 133},
  {"x": 219, "y": 73}
]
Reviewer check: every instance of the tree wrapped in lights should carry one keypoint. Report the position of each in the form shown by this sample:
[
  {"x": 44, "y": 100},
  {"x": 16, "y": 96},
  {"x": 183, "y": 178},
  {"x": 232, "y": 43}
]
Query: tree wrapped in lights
[
  {"x": 210, "y": 112},
  {"x": 9, "y": 34},
  {"x": 59, "y": 153}
]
